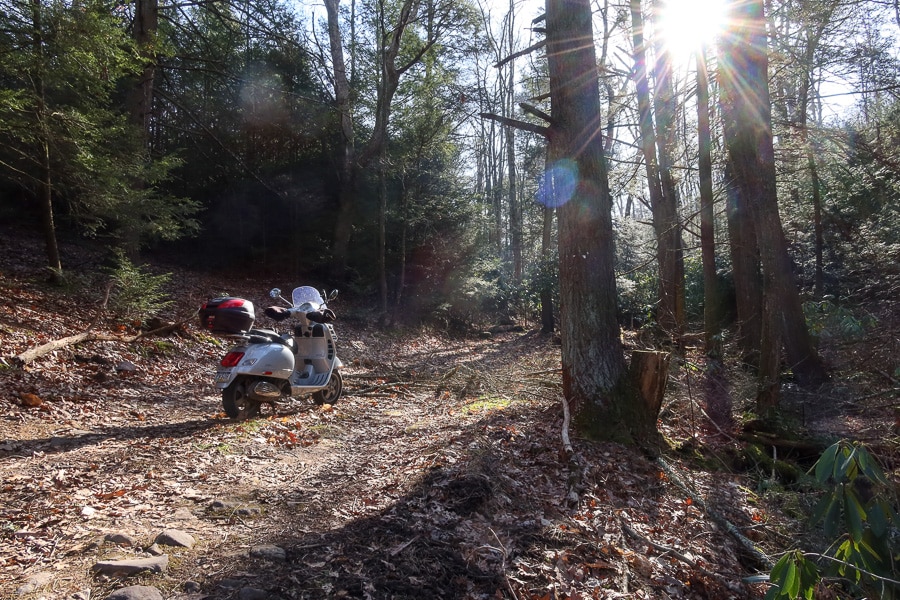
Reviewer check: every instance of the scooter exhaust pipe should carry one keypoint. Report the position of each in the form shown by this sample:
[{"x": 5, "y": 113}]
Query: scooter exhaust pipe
[{"x": 264, "y": 391}]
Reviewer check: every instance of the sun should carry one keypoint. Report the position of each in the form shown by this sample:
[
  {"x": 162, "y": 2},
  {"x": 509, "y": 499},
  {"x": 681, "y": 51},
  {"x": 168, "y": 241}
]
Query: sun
[{"x": 686, "y": 25}]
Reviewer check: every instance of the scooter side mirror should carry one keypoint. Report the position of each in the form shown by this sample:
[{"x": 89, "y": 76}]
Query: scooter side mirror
[
  {"x": 274, "y": 293},
  {"x": 332, "y": 295}
]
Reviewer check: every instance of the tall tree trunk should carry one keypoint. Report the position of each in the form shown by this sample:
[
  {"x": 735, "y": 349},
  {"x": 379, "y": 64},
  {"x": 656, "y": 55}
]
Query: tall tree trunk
[
  {"x": 51, "y": 246},
  {"x": 745, "y": 268},
  {"x": 145, "y": 26},
  {"x": 666, "y": 311},
  {"x": 515, "y": 212},
  {"x": 383, "y": 108},
  {"x": 496, "y": 188},
  {"x": 346, "y": 175},
  {"x": 546, "y": 294},
  {"x": 389, "y": 51},
  {"x": 145, "y": 30},
  {"x": 746, "y": 110},
  {"x": 382, "y": 232},
  {"x": 672, "y": 300},
  {"x": 813, "y": 39},
  {"x": 401, "y": 268},
  {"x": 712, "y": 317},
  {"x": 45, "y": 185},
  {"x": 592, "y": 358},
  {"x": 817, "y": 220}
]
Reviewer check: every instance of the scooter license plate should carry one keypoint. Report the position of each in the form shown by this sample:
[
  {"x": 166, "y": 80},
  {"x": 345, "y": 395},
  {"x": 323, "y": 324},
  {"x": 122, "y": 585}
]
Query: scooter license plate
[{"x": 222, "y": 376}]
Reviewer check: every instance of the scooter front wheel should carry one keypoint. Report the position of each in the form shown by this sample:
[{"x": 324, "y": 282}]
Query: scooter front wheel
[
  {"x": 237, "y": 404},
  {"x": 330, "y": 393}
]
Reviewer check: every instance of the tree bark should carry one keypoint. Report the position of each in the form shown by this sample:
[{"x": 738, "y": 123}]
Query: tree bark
[
  {"x": 346, "y": 193},
  {"x": 515, "y": 212},
  {"x": 712, "y": 309},
  {"x": 45, "y": 184},
  {"x": 547, "y": 320},
  {"x": 746, "y": 108},
  {"x": 592, "y": 359},
  {"x": 667, "y": 311},
  {"x": 649, "y": 373},
  {"x": 672, "y": 300},
  {"x": 817, "y": 220},
  {"x": 745, "y": 269},
  {"x": 145, "y": 26}
]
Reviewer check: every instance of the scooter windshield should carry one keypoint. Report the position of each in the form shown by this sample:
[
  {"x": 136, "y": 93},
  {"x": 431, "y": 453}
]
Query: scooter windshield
[{"x": 305, "y": 294}]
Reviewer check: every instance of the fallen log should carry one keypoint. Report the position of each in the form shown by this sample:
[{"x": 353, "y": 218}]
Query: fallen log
[
  {"x": 29, "y": 356},
  {"x": 88, "y": 335}
]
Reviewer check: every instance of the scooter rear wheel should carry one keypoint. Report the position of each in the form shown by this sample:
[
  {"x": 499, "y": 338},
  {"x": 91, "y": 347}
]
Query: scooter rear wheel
[
  {"x": 237, "y": 404},
  {"x": 331, "y": 393}
]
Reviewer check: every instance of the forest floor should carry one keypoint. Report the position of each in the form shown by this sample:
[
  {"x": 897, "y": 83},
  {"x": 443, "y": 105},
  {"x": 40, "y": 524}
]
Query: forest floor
[{"x": 439, "y": 473}]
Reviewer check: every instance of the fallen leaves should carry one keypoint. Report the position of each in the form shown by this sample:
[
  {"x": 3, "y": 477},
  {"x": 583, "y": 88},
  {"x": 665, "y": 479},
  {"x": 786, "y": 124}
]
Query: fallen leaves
[
  {"x": 30, "y": 400},
  {"x": 438, "y": 470}
]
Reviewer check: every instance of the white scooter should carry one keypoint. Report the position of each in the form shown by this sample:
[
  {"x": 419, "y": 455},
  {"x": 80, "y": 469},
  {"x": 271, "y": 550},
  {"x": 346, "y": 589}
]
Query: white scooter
[{"x": 265, "y": 367}]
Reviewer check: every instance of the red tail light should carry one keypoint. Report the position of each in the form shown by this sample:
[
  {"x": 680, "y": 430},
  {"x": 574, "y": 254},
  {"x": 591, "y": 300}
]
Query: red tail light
[
  {"x": 232, "y": 359},
  {"x": 233, "y": 303}
]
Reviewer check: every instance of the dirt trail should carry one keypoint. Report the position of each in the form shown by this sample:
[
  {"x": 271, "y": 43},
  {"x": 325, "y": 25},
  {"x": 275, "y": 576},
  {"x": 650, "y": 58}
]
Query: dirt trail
[
  {"x": 106, "y": 452},
  {"x": 439, "y": 474}
]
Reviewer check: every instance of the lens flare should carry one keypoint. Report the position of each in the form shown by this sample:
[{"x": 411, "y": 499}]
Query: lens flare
[{"x": 559, "y": 183}]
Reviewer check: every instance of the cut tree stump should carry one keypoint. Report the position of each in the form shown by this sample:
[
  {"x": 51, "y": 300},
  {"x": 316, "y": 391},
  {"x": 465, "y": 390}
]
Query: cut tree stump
[{"x": 649, "y": 371}]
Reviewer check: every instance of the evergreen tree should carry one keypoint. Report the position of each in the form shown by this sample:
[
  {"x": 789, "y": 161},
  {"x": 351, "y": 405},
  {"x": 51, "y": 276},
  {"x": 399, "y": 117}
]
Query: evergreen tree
[{"x": 65, "y": 140}]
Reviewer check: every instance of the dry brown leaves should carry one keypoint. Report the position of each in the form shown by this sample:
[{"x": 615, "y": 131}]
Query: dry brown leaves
[{"x": 439, "y": 474}]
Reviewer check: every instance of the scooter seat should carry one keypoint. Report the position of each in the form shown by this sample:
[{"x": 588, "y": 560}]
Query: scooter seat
[{"x": 268, "y": 336}]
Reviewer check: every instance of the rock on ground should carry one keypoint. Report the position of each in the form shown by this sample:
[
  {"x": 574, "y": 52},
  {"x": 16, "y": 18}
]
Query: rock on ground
[
  {"x": 136, "y": 592},
  {"x": 155, "y": 564},
  {"x": 175, "y": 537}
]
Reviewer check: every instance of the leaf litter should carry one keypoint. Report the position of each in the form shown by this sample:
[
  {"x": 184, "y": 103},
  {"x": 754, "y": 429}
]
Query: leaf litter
[{"x": 439, "y": 474}]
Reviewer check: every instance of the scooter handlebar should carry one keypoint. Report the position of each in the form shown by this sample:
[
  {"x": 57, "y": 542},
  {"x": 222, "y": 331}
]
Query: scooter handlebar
[
  {"x": 279, "y": 313},
  {"x": 321, "y": 316}
]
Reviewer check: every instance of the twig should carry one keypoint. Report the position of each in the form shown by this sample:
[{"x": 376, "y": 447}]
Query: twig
[
  {"x": 505, "y": 554},
  {"x": 747, "y": 544},
  {"x": 886, "y": 375},
  {"x": 668, "y": 550},
  {"x": 567, "y": 445},
  {"x": 398, "y": 549},
  {"x": 546, "y": 372},
  {"x": 393, "y": 386},
  {"x": 881, "y": 393},
  {"x": 852, "y": 566}
]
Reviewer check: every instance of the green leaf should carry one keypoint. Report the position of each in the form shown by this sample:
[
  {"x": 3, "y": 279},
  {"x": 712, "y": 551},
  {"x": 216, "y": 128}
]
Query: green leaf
[
  {"x": 773, "y": 594},
  {"x": 833, "y": 516},
  {"x": 779, "y": 569},
  {"x": 837, "y": 472},
  {"x": 878, "y": 519},
  {"x": 809, "y": 573},
  {"x": 825, "y": 465},
  {"x": 843, "y": 554},
  {"x": 853, "y": 514},
  {"x": 822, "y": 507},
  {"x": 847, "y": 466},
  {"x": 870, "y": 467},
  {"x": 791, "y": 585}
]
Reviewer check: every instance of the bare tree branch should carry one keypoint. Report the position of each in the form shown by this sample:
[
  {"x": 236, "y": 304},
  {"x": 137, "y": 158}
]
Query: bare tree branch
[
  {"x": 522, "y": 125},
  {"x": 516, "y": 55},
  {"x": 533, "y": 110}
]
